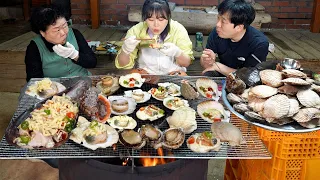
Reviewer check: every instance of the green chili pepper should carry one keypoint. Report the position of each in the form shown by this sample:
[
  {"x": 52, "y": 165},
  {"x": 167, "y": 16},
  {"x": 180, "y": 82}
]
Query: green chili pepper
[
  {"x": 47, "y": 111},
  {"x": 125, "y": 82},
  {"x": 25, "y": 139},
  {"x": 161, "y": 111},
  {"x": 93, "y": 124},
  {"x": 68, "y": 128},
  {"x": 208, "y": 134},
  {"x": 24, "y": 125}
]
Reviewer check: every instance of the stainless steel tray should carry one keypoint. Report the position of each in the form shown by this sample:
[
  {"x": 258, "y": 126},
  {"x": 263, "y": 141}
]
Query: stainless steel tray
[
  {"x": 293, "y": 127},
  {"x": 252, "y": 149}
]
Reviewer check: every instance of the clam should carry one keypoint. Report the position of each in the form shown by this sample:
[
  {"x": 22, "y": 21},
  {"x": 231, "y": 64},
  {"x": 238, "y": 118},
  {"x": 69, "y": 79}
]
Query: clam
[
  {"x": 184, "y": 118},
  {"x": 276, "y": 107},
  {"x": 235, "y": 84},
  {"x": 241, "y": 107},
  {"x": 306, "y": 114},
  {"x": 203, "y": 142},
  {"x": 234, "y": 99},
  {"x": 227, "y": 132},
  {"x": 296, "y": 81},
  {"x": 122, "y": 122},
  {"x": 131, "y": 80},
  {"x": 175, "y": 103},
  {"x": 171, "y": 88},
  {"x": 152, "y": 135},
  {"x": 271, "y": 77},
  {"x": 173, "y": 138},
  {"x": 131, "y": 138},
  {"x": 263, "y": 91},
  {"x": 212, "y": 111},
  {"x": 208, "y": 88},
  {"x": 150, "y": 112},
  {"x": 188, "y": 91},
  {"x": 293, "y": 73},
  {"x": 138, "y": 95},
  {"x": 308, "y": 98},
  {"x": 108, "y": 85},
  {"x": 122, "y": 105}
]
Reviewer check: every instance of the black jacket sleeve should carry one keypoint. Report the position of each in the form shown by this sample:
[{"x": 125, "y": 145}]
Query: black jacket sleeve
[
  {"x": 87, "y": 58},
  {"x": 33, "y": 62}
]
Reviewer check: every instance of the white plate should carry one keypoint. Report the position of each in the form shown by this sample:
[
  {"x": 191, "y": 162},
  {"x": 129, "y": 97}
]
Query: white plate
[
  {"x": 146, "y": 96},
  {"x": 35, "y": 93}
]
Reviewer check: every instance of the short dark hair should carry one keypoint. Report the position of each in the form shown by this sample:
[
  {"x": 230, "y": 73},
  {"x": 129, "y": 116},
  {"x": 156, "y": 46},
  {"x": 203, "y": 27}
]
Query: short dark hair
[
  {"x": 42, "y": 17},
  {"x": 240, "y": 12},
  {"x": 162, "y": 10}
]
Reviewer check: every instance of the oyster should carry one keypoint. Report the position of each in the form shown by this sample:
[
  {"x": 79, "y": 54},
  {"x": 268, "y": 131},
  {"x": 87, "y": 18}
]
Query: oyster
[
  {"x": 227, "y": 132},
  {"x": 203, "y": 142},
  {"x": 122, "y": 122},
  {"x": 108, "y": 85},
  {"x": 93, "y": 134},
  {"x": 131, "y": 138},
  {"x": 263, "y": 91},
  {"x": 184, "y": 118},
  {"x": 158, "y": 93},
  {"x": 152, "y": 134},
  {"x": 271, "y": 77},
  {"x": 188, "y": 91},
  {"x": 122, "y": 105},
  {"x": 150, "y": 112},
  {"x": 212, "y": 111},
  {"x": 308, "y": 98},
  {"x": 234, "y": 84},
  {"x": 138, "y": 95},
  {"x": 131, "y": 80},
  {"x": 173, "y": 138},
  {"x": 208, "y": 88},
  {"x": 171, "y": 88},
  {"x": 175, "y": 103}
]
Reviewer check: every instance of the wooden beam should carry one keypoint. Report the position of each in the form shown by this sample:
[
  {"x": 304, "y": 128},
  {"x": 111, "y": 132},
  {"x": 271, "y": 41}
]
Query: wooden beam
[
  {"x": 95, "y": 13},
  {"x": 315, "y": 21}
]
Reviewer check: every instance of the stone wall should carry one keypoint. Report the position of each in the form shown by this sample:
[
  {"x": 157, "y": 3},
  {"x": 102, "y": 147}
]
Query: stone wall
[{"x": 286, "y": 14}]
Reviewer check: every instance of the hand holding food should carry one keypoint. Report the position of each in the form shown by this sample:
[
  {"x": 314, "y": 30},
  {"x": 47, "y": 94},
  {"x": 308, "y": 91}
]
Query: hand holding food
[
  {"x": 130, "y": 44},
  {"x": 208, "y": 57},
  {"x": 171, "y": 50},
  {"x": 67, "y": 52}
]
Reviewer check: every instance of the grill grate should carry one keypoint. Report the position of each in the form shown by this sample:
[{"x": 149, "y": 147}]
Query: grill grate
[{"x": 252, "y": 149}]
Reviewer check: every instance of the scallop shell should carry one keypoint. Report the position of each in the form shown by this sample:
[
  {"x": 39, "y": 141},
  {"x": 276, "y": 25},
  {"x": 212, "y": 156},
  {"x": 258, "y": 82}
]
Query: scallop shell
[
  {"x": 308, "y": 98},
  {"x": 315, "y": 88},
  {"x": 184, "y": 118},
  {"x": 294, "y": 107},
  {"x": 276, "y": 107},
  {"x": 131, "y": 104},
  {"x": 83, "y": 124},
  {"x": 283, "y": 121},
  {"x": 199, "y": 144},
  {"x": 207, "y": 84},
  {"x": 271, "y": 77},
  {"x": 253, "y": 116},
  {"x": 296, "y": 81},
  {"x": 188, "y": 91},
  {"x": 256, "y": 104},
  {"x": 138, "y": 95},
  {"x": 124, "y": 81},
  {"x": 245, "y": 94},
  {"x": 172, "y": 89},
  {"x": 227, "y": 132},
  {"x": 173, "y": 138},
  {"x": 131, "y": 138},
  {"x": 122, "y": 122},
  {"x": 158, "y": 94},
  {"x": 234, "y": 99},
  {"x": 212, "y": 107},
  {"x": 306, "y": 114},
  {"x": 293, "y": 73},
  {"x": 150, "y": 112},
  {"x": 107, "y": 89},
  {"x": 241, "y": 107},
  {"x": 311, "y": 124},
  {"x": 263, "y": 91},
  {"x": 179, "y": 103},
  {"x": 288, "y": 89}
]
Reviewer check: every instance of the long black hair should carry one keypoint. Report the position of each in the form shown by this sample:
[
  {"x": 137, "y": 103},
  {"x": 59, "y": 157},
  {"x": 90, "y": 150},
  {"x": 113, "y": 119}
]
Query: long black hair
[
  {"x": 240, "y": 12},
  {"x": 42, "y": 17},
  {"x": 161, "y": 9}
]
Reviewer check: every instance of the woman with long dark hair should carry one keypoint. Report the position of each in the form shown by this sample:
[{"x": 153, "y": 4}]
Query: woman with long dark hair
[{"x": 174, "y": 51}]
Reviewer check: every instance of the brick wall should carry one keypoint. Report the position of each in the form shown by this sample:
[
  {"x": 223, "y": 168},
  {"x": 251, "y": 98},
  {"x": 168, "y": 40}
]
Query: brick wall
[{"x": 289, "y": 14}]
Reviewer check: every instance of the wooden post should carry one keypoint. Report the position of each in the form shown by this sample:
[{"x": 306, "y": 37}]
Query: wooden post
[
  {"x": 26, "y": 9},
  {"x": 315, "y": 21},
  {"x": 95, "y": 13}
]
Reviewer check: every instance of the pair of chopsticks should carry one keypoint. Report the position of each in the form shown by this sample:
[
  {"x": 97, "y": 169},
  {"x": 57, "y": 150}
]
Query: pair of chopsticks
[{"x": 140, "y": 39}]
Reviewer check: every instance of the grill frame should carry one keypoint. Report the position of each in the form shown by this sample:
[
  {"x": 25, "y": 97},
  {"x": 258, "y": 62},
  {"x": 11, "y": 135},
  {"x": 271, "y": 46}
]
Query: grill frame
[{"x": 252, "y": 149}]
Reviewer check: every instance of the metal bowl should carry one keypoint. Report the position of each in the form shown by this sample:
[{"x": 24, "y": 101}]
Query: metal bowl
[{"x": 289, "y": 63}]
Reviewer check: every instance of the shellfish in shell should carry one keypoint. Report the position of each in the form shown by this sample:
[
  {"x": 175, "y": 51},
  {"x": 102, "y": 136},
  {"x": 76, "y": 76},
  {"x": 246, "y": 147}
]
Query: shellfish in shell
[
  {"x": 131, "y": 80},
  {"x": 203, "y": 142},
  {"x": 122, "y": 122},
  {"x": 184, "y": 118},
  {"x": 138, "y": 95},
  {"x": 208, "y": 88},
  {"x": 234, "y": 84},
  {"x": 276, "y": 107},
  {"x": 263, "y": 91},
  {"x": 158, "y": 93},
  {"x": 108, "y": 85},
  {"x": 44, "y": 88},
  {"x": 271, "y": 77},
  {"x": 173, "y": 138},
  {"x": 188, "y": 91},
  {"x": 150, "y": 112},
  {"x": 293, "y": 73},
  {"x": 212, "y": 111},
  {"x": 171, "y": 88},
  {"x": 308, "y": 98},
  {"x": 227, "y": 132},
  {"x": 306, "y": 114},
  {"x": 234, "y": 99},
  {"x": 152, "y": 134},
  {"x": 131, "y": 138},
  {"x": 296, "y": 82},
  {"x": 175, "y": 103},
  {"x": 122, "y": 105}
]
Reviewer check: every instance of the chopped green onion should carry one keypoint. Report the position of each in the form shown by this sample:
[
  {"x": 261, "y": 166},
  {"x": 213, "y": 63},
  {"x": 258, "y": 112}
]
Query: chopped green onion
[{"x": 47, "y": 111}]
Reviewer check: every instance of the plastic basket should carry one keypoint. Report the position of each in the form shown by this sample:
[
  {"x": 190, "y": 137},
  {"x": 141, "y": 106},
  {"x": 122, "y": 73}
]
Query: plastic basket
[{"x": 268, "y": 135}]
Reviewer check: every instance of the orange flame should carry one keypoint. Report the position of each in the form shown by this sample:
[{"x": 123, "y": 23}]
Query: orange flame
[
  {"x": 125, "y": 162},
  {"x": 147, "y": 162}
]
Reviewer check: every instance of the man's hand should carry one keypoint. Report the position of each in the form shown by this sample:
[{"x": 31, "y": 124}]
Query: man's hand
[
  {"x": 171, "y": 50},
  {"x": 130, "y": 44},
  {"x": 67, "y": 52},
  {"x": 207, "y": 59}
]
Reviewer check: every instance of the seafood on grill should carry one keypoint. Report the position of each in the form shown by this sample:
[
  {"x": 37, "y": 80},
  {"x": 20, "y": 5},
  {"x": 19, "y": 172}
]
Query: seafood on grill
[
  {"x": 150, "y": 112},
  {"x": 227, "y": 132},
  {"x": 212, "y": 111},
  {"x": 122, "y": 122},
  {"x": 158, "y": 93},
  {"x": 108, "y": 85},
  {"x": 175, "y": 103},
  {"x": 138, "y": 95},
  {"x": 184, "y": 118},
  {"x": 203, "y": 142},
  {"x": 152, "y": 135},
  {"x": 173, "y": 138},
  {"x": 131, "y": 138},
  {"x": 44, "y": 88},
  {"x": 188, "y": 91},
  {"x": 94, "y": 135},
  {"x": 208, "y": 88},
  {"x": 172, "y": 88},
  {"x": 121, "y": 105},
  {"x": 95, "y": 105},
  {"x": 131, "y": 80},
  {"x": 47, "y": 124}
]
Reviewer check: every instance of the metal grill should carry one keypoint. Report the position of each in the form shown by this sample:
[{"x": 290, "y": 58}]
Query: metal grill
[{"x": 252, "y": 149}]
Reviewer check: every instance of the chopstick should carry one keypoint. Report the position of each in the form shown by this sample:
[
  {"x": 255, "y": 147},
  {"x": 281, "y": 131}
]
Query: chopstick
[{"x": 140, "y": 39}]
